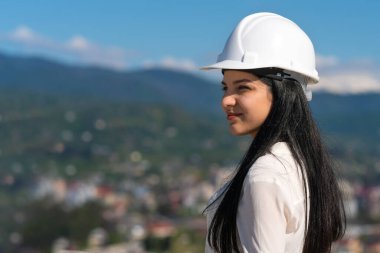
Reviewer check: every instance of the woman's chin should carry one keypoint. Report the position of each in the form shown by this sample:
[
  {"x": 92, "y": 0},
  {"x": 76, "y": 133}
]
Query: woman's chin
[
  {"x": 237, "y": 132},
  {"x": 242, "y": 132}
]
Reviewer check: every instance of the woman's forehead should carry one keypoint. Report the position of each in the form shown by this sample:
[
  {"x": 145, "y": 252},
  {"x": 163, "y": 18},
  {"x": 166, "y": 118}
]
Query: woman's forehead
[{"x": 236, "y": 75}]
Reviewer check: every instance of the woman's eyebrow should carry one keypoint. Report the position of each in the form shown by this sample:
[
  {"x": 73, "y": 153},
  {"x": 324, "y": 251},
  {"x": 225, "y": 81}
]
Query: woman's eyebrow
[{"x": 238, "y": 81}]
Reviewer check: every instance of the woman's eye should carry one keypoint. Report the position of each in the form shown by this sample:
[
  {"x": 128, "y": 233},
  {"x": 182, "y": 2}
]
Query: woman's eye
[
  {"x": 243, "y": 87},
  {"x": 224, "y": 88}
]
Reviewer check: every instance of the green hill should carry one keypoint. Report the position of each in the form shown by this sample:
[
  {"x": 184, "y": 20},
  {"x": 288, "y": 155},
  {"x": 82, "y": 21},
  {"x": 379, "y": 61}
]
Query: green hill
[
  {"x": 110, "y": 127},
  {"x": 166, "y": 115}
]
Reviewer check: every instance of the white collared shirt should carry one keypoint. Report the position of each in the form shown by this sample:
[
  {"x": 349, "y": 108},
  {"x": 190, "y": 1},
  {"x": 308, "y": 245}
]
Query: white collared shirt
[{"x": 271, "y": 211}]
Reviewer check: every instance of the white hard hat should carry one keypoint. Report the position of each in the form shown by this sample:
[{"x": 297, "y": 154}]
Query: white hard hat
[{"x": 268, "y": 40}]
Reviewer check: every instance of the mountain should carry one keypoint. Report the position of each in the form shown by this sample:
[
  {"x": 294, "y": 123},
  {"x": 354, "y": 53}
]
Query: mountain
[
  {"x": 348, "y": 114},
  {"x": 142, "y": 128},
  {"x": 351, "y": 123},
  {"x": 164, "y": 86},
  {"x": 154, "y": 85}
]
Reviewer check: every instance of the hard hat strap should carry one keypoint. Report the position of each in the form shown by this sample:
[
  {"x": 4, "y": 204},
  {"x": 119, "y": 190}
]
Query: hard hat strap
[{"x": 281, "y": 76}]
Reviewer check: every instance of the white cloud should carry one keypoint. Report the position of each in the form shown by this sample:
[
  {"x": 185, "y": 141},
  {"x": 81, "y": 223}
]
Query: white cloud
[
  {"x": 78, "y": 43},
  {"x": 78, "y": 49},
  {"x": 172, "y": 63},
  {"x": 28, "y": 38},
  {"x": 91, "y": 53},
  {"x": 347, "y": 77},
  {"x": 24, "y": 33},
  {"x": 326, "y": 61},
  {"x": 348, "y": 83}
]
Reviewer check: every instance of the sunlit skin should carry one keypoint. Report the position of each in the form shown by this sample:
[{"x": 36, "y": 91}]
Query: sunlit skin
[{"x": 246, "y": 102}]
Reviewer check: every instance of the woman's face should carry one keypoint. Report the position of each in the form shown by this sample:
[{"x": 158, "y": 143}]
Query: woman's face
[{"x": 246, "y": 102}]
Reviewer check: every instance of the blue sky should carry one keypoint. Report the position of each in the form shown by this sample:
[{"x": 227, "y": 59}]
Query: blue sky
[{"x": 126, "y": 34}]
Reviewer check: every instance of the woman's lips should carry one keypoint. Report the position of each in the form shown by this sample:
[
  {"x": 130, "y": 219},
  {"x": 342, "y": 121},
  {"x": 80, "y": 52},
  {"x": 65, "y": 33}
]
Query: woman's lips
[{"x": 232, "y": 116}]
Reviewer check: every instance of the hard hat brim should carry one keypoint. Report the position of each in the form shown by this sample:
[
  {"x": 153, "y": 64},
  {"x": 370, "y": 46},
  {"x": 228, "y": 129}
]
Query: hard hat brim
[
  {"x": 227, "y": 64},
  {"x": 231, "y": 64}
]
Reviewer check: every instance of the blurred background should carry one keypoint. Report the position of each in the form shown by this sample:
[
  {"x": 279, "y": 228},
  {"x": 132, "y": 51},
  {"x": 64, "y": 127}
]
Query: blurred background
[{"x": 112, "y": 140}]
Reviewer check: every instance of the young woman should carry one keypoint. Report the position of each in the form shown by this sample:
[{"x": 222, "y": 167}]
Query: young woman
[{"x": 284, "y": 196}]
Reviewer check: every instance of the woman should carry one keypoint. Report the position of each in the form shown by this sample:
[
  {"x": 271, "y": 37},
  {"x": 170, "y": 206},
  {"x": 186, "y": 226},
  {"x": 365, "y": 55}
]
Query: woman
[{"x": 284, "y": 195}]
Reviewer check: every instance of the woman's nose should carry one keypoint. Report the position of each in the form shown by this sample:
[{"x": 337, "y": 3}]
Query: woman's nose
[{"x": 228, "y": 101}]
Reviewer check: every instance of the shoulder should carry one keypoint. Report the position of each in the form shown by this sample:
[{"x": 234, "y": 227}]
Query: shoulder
[
  {"x": 275, "y": 165},
  {"x": 277, "y": 169}
]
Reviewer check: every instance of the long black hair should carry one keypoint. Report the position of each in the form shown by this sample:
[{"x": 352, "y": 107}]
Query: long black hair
[{"x": 289, "y": 120}]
